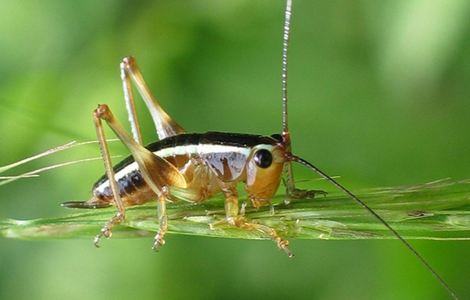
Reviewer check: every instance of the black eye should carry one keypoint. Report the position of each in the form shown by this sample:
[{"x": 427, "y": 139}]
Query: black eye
[{"x": 263, "y": 158}]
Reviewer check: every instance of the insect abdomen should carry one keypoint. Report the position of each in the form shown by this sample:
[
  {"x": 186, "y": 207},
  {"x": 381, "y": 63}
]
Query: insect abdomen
[{"x": 127, "y": 184}]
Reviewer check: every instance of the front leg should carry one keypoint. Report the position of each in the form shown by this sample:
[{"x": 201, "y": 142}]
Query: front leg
[{"x": 294, "y": 193}]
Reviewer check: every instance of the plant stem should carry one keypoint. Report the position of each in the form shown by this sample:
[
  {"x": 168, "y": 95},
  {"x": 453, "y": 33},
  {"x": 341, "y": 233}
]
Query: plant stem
[{"x": 433, "y": 211}]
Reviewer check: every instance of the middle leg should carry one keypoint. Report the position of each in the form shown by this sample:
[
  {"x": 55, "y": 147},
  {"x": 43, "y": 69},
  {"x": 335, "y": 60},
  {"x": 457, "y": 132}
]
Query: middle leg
[
  {"x": 106, "y": 231},
  {"x": 233, "y": 218},
  {"x": 162, "y": 220}
]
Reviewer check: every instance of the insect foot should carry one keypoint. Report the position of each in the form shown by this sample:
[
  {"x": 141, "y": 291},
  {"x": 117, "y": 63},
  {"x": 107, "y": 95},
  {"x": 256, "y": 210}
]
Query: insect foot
[
  {"x": 283, "y": 245},
  {"x": 297, "y": 194},
  {"x": 267, "y": 231},
  {"x": 158, "y": 242},
  {"x": 106, "y": 231}
]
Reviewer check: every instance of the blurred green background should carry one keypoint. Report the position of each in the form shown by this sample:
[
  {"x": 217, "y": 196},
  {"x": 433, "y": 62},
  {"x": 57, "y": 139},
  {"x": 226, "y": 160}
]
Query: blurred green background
[{"x": 379, "y": 94}]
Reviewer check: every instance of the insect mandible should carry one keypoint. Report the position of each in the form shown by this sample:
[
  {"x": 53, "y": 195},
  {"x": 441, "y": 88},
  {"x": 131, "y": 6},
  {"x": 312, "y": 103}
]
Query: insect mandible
[{"x": 196, "y": 166}]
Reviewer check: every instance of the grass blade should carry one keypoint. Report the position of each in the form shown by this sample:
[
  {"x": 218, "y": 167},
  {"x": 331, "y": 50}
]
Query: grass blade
[{"x": 435, "y": 211}]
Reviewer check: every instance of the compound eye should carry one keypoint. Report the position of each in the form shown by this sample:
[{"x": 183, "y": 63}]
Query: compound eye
[{"x": 263, "y": 158}]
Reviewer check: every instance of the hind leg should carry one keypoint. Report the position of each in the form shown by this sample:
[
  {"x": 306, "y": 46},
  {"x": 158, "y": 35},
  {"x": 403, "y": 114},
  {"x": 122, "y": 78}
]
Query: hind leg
[{"x": 164, "y": 124}]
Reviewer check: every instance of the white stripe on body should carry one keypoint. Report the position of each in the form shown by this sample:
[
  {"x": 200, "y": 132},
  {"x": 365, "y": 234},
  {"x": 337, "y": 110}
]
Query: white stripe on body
[{"x": 201, "y": 149}]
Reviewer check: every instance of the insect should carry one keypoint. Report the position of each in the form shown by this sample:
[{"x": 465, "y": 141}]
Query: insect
[{"x": 196, "y": 166}]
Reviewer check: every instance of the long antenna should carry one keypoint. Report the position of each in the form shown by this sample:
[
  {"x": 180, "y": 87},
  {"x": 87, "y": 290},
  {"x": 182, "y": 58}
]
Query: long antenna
[
  {"x": 291, "y": 157},
  {"x": 290, "y": 185},
  {"x": 285, "y": 46},
  {"x": 397, "y": 235}
]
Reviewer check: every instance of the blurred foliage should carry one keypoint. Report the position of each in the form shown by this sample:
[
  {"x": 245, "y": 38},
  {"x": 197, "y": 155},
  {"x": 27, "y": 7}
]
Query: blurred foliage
[{"x": 379, "y": 95}]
